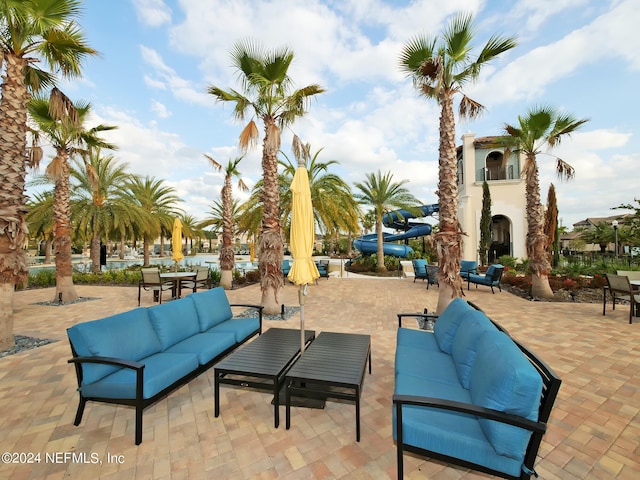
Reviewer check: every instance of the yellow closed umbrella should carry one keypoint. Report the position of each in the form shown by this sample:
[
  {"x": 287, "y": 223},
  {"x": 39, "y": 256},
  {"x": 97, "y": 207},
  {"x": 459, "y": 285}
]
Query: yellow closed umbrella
[
  {"x": 176, "y": 241},
  {"x": 301, "y": 239}
]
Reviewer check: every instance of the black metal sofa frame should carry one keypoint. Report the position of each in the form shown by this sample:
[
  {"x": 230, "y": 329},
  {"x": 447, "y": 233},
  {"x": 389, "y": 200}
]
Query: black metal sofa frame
[
  {"x": 140, "y": 403},
  {"x": 550, "y": 387}
]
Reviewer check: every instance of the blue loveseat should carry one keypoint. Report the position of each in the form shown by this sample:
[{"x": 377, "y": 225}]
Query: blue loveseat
[
  {"x": 137, "y": 357},
  {"x": 469, "y": 394}
]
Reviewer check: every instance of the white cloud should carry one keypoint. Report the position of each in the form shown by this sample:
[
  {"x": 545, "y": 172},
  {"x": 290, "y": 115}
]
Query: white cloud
[
  {"x": 160, "y": 109},
  {"x": 154, "y": 13}
]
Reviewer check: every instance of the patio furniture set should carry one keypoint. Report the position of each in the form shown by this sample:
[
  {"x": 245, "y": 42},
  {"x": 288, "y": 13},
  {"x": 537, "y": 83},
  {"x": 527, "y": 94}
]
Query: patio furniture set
[
  {"x": 136, "y": 358},
  {"x": 156, "y": 282},
  {"x": 466, "y": 393}
]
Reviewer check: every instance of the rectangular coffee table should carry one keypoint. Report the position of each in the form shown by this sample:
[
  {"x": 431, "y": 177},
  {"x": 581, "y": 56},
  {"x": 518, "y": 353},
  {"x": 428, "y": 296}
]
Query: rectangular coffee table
[
  {"x": 332, "y": 367},
  {"x": 261, "y": 364}
]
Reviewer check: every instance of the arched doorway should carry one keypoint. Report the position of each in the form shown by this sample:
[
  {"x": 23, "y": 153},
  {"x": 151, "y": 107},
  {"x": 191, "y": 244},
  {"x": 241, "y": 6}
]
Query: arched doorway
[{"x": 501, "y": 238}]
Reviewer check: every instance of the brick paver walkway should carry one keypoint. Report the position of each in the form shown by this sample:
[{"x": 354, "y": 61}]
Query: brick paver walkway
[{"x": 594, "y": 430}]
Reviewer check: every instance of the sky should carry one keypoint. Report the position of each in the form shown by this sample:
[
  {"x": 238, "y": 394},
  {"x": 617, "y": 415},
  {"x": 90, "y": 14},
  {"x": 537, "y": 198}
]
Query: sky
[{"x": 158, "y": 58}]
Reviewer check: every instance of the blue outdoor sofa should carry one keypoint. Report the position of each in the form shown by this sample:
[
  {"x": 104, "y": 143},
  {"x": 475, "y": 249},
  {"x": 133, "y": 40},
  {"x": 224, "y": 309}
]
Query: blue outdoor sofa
[
  {"x": 467, "y": 267},
  {"x": 468, "y": 394},
  {"x": 137, "y": 357}
]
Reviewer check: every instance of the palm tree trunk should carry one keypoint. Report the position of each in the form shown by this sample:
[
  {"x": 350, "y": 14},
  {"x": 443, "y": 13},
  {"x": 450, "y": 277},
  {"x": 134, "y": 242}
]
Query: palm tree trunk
[
  {"x": 536, "y": 239},
  {"x": 13, "y": 140},
  {"x": 65, "y": 290},
  {"x": 227, "y": 257},
  {"x": 94, "y": 254},
  {"x": 270, "y": 240},
  {"x": 145, "y": 246},
  {"x": 47, "y": 250},
  {"x": 448, "y": 238},
  {"x": 121, "y": 256},
  {"x": 380, "y": 237}
]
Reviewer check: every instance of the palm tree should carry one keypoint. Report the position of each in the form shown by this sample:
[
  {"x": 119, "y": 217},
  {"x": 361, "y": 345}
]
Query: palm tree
[
  {"x": 267, "y": 95},
  {"x": 227, "y": 260},
  {"x": 158, "y": 202},
  {"x": 543, "y": 127},
  {"x": 334, "y": 207},
  {"x": 40, "y": 220},
  {"x": 384, "y": 195},
  {"x": 440, "y": 71},
  {"x": 34, "y": 32},
  {"x": 99, "y": 204},
  {"x": 62, "y": 122},
  {"x": 190, "y": 229}
]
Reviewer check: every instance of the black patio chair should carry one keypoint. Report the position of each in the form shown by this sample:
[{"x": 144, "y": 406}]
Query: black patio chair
[
  {"x": 620, "y": 288},
  {"x": 202, "y": 280}
]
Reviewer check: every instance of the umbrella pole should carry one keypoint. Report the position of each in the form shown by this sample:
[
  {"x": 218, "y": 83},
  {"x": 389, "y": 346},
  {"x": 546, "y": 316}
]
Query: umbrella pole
[{"x": 301, "y": 295}]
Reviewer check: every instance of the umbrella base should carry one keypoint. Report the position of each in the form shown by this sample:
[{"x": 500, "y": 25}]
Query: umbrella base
[{"x": 301, "y": 400}]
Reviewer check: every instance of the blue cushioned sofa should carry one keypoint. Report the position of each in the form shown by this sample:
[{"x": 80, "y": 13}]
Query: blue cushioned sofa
[
  {"x": 137, "y": 357},
  {"x": 467, "y": 393}
]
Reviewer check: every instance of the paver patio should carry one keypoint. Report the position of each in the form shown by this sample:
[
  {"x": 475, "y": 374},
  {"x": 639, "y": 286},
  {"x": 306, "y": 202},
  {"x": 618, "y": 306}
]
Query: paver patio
[{"x": 594, "y": 430}]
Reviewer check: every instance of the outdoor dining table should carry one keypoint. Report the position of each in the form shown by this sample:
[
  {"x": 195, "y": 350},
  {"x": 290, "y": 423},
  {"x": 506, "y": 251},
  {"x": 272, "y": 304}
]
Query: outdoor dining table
[{"x": 176, "y": 278}]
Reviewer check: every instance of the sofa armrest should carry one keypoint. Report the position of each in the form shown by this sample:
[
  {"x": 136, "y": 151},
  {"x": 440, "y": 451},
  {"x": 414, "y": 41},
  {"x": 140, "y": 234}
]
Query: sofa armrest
[
  {"x": 425, "y": 316},
  {"x": 488, "y": 413},
  {"x": 118, "y": 362},
  {"x": 251, "y": 305}
]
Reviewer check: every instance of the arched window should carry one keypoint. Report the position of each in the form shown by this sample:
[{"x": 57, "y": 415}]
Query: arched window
[{"x": 495, "y": 166}]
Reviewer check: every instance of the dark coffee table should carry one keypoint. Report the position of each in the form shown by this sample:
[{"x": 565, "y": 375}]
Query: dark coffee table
[
  {"x": 332, "y": 367},
  {"x": 261, "y": 364}
]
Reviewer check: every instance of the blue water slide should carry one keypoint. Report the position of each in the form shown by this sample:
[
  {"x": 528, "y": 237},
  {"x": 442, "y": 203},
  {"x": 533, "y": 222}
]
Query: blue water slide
[{"x": 368, "y": 244}]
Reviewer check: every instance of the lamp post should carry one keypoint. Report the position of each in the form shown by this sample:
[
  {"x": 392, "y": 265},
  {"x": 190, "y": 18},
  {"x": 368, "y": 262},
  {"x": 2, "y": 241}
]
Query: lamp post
[{"x": 615, "y": 236}]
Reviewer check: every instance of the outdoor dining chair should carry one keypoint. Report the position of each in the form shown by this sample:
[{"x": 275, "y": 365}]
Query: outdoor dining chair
[
  {"x": 620, "y": 288},
  {"x": 202, "y": 280},
  {"x": 151, "y": 281}
]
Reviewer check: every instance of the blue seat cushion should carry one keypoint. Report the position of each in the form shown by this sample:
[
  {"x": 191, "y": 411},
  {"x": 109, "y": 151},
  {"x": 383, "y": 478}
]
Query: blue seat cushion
[
  {"x": 174, "y": 321},
  {"x": 448, "y": 322},
  {"x": 212, "y": 307},
  {"x": 206, "y": 346},
  {"x": 240, "y": 327},
  {"x": 160, "y": 371},
  {"x": 128, "y": 335},
  {"x": 466, "y": 341},
  {"x": 503, "y": 379},
  {"x": 449, "y": 433},
  {"x": 467, "y": 267}
]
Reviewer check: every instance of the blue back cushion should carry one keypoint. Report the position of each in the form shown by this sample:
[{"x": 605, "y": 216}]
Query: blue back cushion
[
  {"x": 174, "y": 321},
  {"x": 467, "y": 265},
  {"x": 466, "y": 343},
  {"x": 448, "y": 322},
  {"x": 212, "y": 306},
  {"x": 503, "y": 379},
  {"x": 420, "y": 266},
  {"x": 127, "y": 335}
]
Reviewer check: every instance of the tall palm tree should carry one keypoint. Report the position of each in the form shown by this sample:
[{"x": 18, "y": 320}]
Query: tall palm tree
[
  {"x": 384, "y": 195},
  {"x": 440, "y": 67},
  {"x": 539, "y": 131},
  {"x": 33, "y": 33},
  {"x": 158, "y": 202},
  {"x": 227, "y": 258},
  {"x": 99, "y": 203},
  {"x": 62, "y": 123},
  {"x": 267, "y": 94},
  {"x": 190, "y": 229}
]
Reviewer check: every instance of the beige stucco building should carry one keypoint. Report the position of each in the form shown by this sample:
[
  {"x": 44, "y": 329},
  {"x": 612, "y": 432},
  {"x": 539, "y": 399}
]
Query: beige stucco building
[{"x": 479, "y": 159}]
